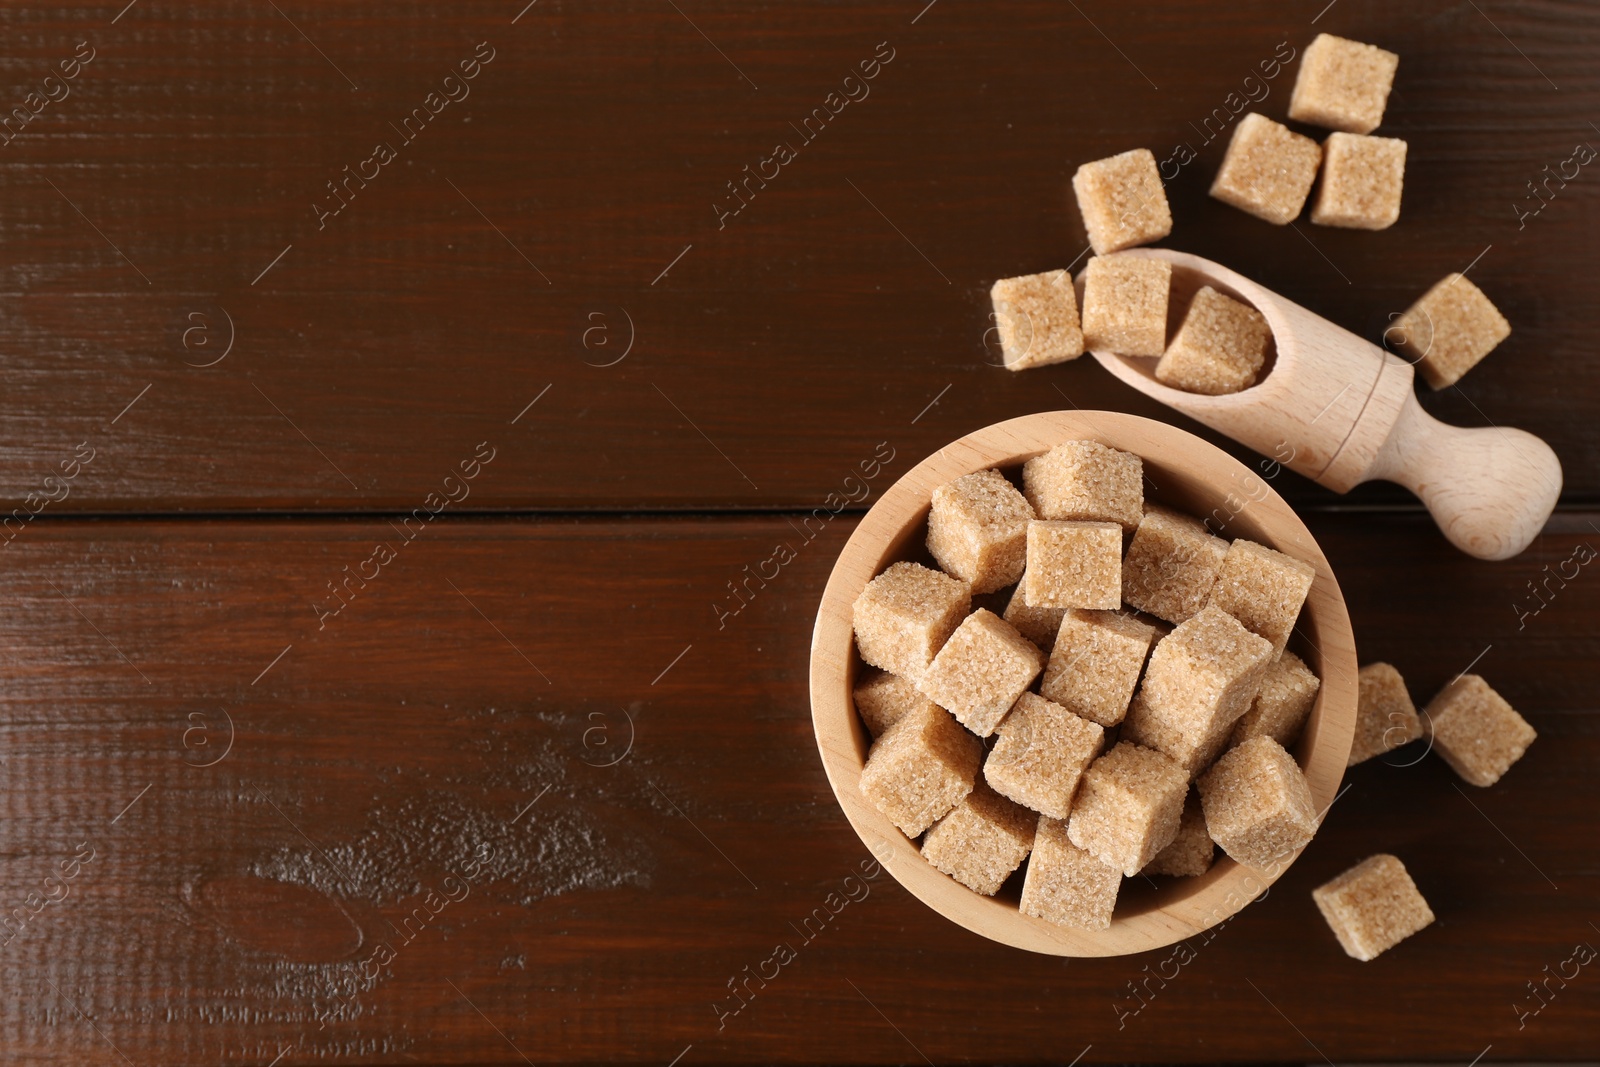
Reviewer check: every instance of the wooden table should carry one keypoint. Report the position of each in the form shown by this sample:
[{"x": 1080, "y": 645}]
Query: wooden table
[{"x": 373, "y": 674}]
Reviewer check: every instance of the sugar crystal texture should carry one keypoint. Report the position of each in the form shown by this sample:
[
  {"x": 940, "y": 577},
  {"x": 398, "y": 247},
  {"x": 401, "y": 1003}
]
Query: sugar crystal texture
[
  {"x": 1074, "y": 565},
  {"x": 1201, "y": 679},
  {"x": 1219, "y": 348},
  {"x": 1362, "y": 178},
  {"x": 1037, "y": 318},
  {"x": 982, "y": 670},
  {"x": 1373, "y": 906},
  {"x": 1171, "y": 565},
  {"x": 1122, "y": 201},
  {"x": 1262, "y": 588},
  {"x": 1479, "y": 735},
  {"x": 1192, "y": 851},
  {"x": 1257, "y": 803},
  {"x": 1342, "y": 84},
  {"x": 1267, "y": 172},
  {"x": 1095, "y": 663},
  {"x": 1385, "y": 716},
  {"x": 1125, "y": 304},
  {"x": 1449, "y": 330},
  {"x": 1038, "y": 625},
  {"x": 1128, "y": 807},
  {"x": 904, "y": 615},
  {"x": 883, "y": 699},
  {"x": 921, "y": 767},
  {"x": 1066, "y": 885},
  {"x": 1040, "y": 752},
  {"x": 1086, "y": 481},
  {"x": 1288, "y": 691},
  {"x": 978, "y": 530},
  {"x": 981, "y": 841}
]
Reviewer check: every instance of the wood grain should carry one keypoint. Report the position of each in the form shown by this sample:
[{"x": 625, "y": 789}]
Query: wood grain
[{"x": 372, "y": 760}]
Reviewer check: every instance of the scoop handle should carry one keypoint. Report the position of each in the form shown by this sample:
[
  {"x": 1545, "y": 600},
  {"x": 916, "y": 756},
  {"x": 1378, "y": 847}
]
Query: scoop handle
[{"x": 1490, "y": 490}]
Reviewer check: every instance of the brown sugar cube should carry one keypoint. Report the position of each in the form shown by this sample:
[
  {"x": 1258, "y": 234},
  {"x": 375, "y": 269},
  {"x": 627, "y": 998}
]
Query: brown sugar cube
[
  {"x": 1122, "y": 201},
  {"x": 1373, "y": 906},
  {"x": 1342, "y": 84},
  {"x": 982, "y": 670},
  {"x": 1262, "y": 588},
  {"x": 1074, "y": 565},
  {"x": 1066, "y": 885},
  {"x": 978, "y": 530},
  {"x": 1201, "y": 679},
  {"x": 1095, "y": 663},
  {"x": 1385, "y": 716},
  {"x": 921, "y": 767},
  {"x": 1219, "y": 349},
  {"x": 1476, "y": 731},
  {"x": 904, "y": 615},
  {"x": 1125, "y": 304},
  {"x": 1449, "y": 330},
  {"x": 1038, "y": 625},
  {"x": 1362, "y": 178},
  {"x": 1086, "y": 481},
  {"x": 1288, "y": 690},
  {"x": 1171, "y": 565},
  {"x": 1040, "y": 752},
  {"x": 1192, "y": 851},
  {"x": 982, "y": 841},
  {"x": 1257, "y": 804},
  {"x": 883, "y": 699},
  {"x": 1037, "y": 317},
  {"x": 1128, "y": 806},
  {"x": 1267, "y": 172}
]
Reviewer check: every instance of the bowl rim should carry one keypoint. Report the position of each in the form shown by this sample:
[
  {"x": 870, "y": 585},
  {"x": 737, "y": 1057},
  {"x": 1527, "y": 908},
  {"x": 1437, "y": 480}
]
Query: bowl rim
[{"x": 1192, "y": 905}]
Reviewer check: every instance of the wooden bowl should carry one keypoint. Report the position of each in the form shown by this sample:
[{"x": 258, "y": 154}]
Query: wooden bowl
[{"x": 1183, "y": 472}]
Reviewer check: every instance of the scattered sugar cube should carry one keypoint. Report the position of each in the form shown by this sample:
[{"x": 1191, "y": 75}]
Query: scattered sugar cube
[
  {"x": 1038, "y": 625},
  {"x": 1268, "y": 170},
  {"x": 904, "y": 615},
  {"x": 978, "y": 530},
  {"x": 1040, "y": 752},
  {"x": 1074, "y": 564},
  {"x": 1171, "y": 565},
  {"x": 1257, "y": 804},
  {"x": 1192, "y": 851},
  {"x": 982, "y": 841},
  {"x": 1219, "y": 349},
  {"x": 982, "y": 670},
  {"x": 1128, "y": 806},
  {"x": 1262, "y": 588},
  {"x": 1122, "y": 201},
  {"x": 883, "y": 699},
  {"x": 1288, "y": 690},
  {"x": 1095, "y": 663},
  {"x": 1066, "y": 885},
  {"x": 1086, "y": 481},
  {"x": 1037, "y": 316},
  {"x": 1342, "y": 84},
  {"x": 1385, "y": 716},
  {"x": 1201, "y": 679},
  {"x": 921, "y": 767},
  {"x": 1361, "y": 182},
  {"x": 1125, "y": 304},
  {"x": 1449, "y": 330},
  {"x": 1476, "y": 731},
  {"x": 1373, "y": 906}
]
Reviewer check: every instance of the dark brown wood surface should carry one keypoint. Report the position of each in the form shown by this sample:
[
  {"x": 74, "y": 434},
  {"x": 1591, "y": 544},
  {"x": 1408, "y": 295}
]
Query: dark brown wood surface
[{"x": 543, "y": 717}]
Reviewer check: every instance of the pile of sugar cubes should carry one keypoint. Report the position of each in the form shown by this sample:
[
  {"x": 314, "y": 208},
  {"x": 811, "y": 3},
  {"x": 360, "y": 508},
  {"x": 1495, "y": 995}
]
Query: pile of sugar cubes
[
  {"x": 1081, "y": 729},
  {"x": 1268, "y": 171},
  {"x": 1132, "y": 706}
]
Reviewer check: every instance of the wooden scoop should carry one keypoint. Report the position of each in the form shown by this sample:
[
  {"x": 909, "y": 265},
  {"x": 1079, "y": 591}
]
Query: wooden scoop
[{"x": 1342, "y": 411}]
